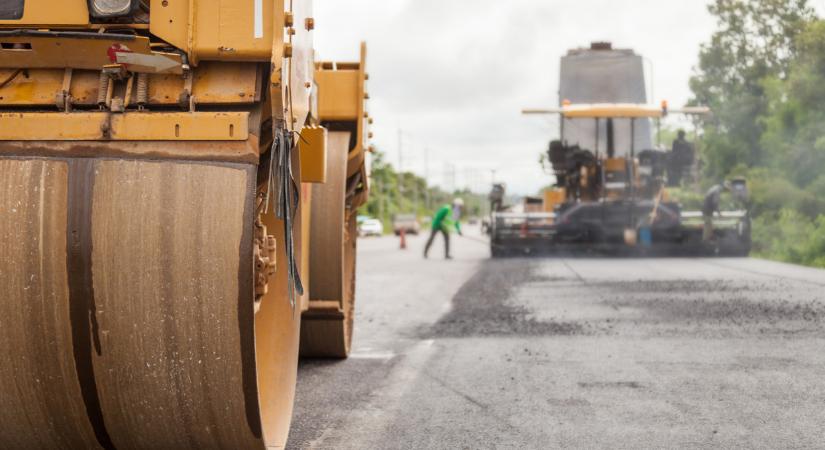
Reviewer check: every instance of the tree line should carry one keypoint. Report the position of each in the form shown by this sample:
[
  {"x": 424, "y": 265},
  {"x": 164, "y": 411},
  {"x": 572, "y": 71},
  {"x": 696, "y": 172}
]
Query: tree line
[
  {"x": 763, "y": 74},
  {"x": 393, "y": 192}
]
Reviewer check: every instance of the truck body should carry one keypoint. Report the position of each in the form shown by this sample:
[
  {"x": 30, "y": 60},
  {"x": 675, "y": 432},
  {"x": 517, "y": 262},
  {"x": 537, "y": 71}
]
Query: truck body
[{"x": 408, "y": 223}]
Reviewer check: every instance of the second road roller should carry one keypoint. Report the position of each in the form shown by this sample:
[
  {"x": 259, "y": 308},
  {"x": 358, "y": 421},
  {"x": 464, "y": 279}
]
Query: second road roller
[{"x": 178, "y": 181}]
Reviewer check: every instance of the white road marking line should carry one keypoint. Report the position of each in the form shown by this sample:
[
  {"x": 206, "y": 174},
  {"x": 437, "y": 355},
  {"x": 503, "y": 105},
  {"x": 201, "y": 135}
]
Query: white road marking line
[
  {"x": 372, "y": 355},
  {"x": 384, "y": 404}
]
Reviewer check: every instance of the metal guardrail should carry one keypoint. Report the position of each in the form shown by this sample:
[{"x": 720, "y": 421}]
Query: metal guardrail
[
  {"x": 738, "y": 214},
  {"x": 527, "y": 215}
]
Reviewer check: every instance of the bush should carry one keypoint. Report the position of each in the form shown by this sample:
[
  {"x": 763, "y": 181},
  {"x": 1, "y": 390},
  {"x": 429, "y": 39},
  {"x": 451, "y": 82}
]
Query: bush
[{"x": 790, "y": 236}]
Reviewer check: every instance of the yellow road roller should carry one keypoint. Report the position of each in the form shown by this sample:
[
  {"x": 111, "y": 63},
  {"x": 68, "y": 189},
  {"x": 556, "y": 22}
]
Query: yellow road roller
[
  {"x": 156, "y": 222},
  {"x": 327, "y": 325}
]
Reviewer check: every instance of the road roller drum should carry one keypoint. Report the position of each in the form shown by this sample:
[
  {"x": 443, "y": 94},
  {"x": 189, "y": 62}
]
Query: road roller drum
[{"x": 154, "y": 222}]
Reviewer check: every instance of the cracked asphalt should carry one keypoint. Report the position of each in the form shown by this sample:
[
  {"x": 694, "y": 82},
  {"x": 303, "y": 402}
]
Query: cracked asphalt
[{"x": 571, "y": 353}]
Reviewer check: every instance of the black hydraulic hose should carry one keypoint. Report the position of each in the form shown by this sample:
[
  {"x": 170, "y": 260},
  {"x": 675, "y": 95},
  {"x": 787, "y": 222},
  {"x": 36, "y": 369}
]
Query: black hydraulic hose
[
  {"x": 282, "y": 181},
  {"x": 611, "y": 141},
  {"x": 10, "y": 78}
]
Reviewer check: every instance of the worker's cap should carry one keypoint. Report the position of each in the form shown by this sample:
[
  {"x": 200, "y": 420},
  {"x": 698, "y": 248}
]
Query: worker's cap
[{"x": 458, "y": 202}]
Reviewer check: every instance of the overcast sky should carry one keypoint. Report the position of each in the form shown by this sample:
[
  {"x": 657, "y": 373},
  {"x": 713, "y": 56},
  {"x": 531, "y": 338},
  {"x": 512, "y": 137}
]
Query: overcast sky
[{"x": 453, "y": 75}]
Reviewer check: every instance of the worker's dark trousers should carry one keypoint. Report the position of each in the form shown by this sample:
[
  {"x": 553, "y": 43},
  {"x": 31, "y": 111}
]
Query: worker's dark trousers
[
  {"x": 707, "y": 230},
  {"x": 432, "y": 238},
  {"x": 674, "y": 175}
]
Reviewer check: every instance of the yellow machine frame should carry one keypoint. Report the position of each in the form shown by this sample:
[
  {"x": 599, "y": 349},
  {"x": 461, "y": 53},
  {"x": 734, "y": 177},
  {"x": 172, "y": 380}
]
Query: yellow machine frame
[
  {"x": 151, "y": 123},
  {"x": 62, "y": 66},
  {"x": 341, "y": 102},
  {"x": 342, "y": 96}
]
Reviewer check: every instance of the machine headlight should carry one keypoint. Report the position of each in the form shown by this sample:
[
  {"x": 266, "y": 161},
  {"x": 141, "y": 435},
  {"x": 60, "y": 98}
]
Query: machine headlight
[
  {"x": 112, "y": 8},
  {"x": 11, "y": 9}
]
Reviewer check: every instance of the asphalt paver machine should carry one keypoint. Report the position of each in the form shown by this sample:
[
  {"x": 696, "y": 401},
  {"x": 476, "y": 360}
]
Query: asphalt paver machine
[
  {"x": 613, "y": 199},
  {"x": 610, "y": 190}
]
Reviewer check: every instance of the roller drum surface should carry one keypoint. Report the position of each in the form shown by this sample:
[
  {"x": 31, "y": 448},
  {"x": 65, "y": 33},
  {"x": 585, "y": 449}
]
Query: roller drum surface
[
  {"x": 326, "y": 329},
  {"x": 128, "y": 320}
]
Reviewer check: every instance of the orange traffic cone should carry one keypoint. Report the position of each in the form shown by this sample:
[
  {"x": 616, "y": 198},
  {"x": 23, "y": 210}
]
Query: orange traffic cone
[{"x": 403, "y": 235}]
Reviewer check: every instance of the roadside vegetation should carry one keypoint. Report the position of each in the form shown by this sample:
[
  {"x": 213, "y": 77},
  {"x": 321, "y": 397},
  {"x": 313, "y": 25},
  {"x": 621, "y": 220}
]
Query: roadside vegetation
[
  {"x": 763, "y": 74},
  {"x": 408, "y": 193}
]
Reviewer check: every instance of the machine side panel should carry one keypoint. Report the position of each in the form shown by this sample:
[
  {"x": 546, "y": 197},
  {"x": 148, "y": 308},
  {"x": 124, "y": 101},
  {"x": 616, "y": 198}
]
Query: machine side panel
[{"x": 45, "y": 12}]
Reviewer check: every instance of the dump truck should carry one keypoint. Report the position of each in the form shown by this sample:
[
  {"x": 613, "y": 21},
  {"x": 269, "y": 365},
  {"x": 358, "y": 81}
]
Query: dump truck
[
  {"x": 611, "y": 191},
  {"x": 162, "y": 167}
]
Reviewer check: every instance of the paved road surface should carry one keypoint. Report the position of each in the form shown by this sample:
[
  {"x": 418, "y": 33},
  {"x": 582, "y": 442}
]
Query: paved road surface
[{"x": 580, "y": 353}]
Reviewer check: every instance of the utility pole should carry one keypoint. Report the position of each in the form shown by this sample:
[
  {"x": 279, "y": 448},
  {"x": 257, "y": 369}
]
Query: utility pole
[
  {"x": 415, "y": 194},
  {"x": 452, "y": 177},
  {"x": 449, "y": 177},
  {"x": 427, "y": 178},
  {"x": 380, "y": 190},
  {"x": 400, "y": 150},
  {"x": 400, "y": 168}
]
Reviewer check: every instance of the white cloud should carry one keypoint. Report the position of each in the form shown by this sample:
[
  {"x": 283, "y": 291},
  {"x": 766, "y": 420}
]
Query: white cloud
[{"x": 454, "y": 74}]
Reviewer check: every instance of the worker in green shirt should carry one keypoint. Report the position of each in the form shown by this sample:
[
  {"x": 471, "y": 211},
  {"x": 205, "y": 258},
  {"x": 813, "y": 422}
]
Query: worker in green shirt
[{"x": 444, "y": 220}]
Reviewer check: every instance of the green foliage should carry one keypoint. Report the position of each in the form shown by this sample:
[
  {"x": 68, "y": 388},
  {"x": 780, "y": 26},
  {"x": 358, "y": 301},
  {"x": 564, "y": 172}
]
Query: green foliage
[
  {"x": 407, "y": 193},
  {"x": 791, "y": 237},
  {"x": 666, "y": 134},
  {"x": 755, "y": 40},
  {"x": 794, "y": 121},
  {"x": 763, "y": 74},
  {"x": 688, "y": 198}
]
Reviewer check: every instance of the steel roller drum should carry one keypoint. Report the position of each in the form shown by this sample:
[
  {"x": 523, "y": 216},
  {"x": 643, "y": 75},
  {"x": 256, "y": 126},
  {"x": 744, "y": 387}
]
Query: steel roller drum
[
  {"x": 327, "y": 326},
  {"x": 128, "y": 317}
]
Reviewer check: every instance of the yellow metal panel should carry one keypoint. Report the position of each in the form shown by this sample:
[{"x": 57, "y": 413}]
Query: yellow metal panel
[
  {"x": 618, "y": 110},
  {"x": 215, "y": 83},
  {"x": 552, "y": 198},
  {"x": 313, "y": 150},
  {"x": 338, "y": 98},
  {"x": 363, "y": 124},
  {"x": 170, "y": 21},
  {"x": 226, "y": 30},
  {"x": 38, "y": 87},
  {"x": 226, "y": 82},
  {"x": 201, "y": 126},
  {"x": 50, "y": 126},
  {"x": 342, "y": 98},
  {"x": 615, "y": 165},
  {"x": 52, "y": 13},
  {"x": 229, "y": 30},
  {"x": 86, "y": 126},
  {"x": 44, "y": 50}
]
